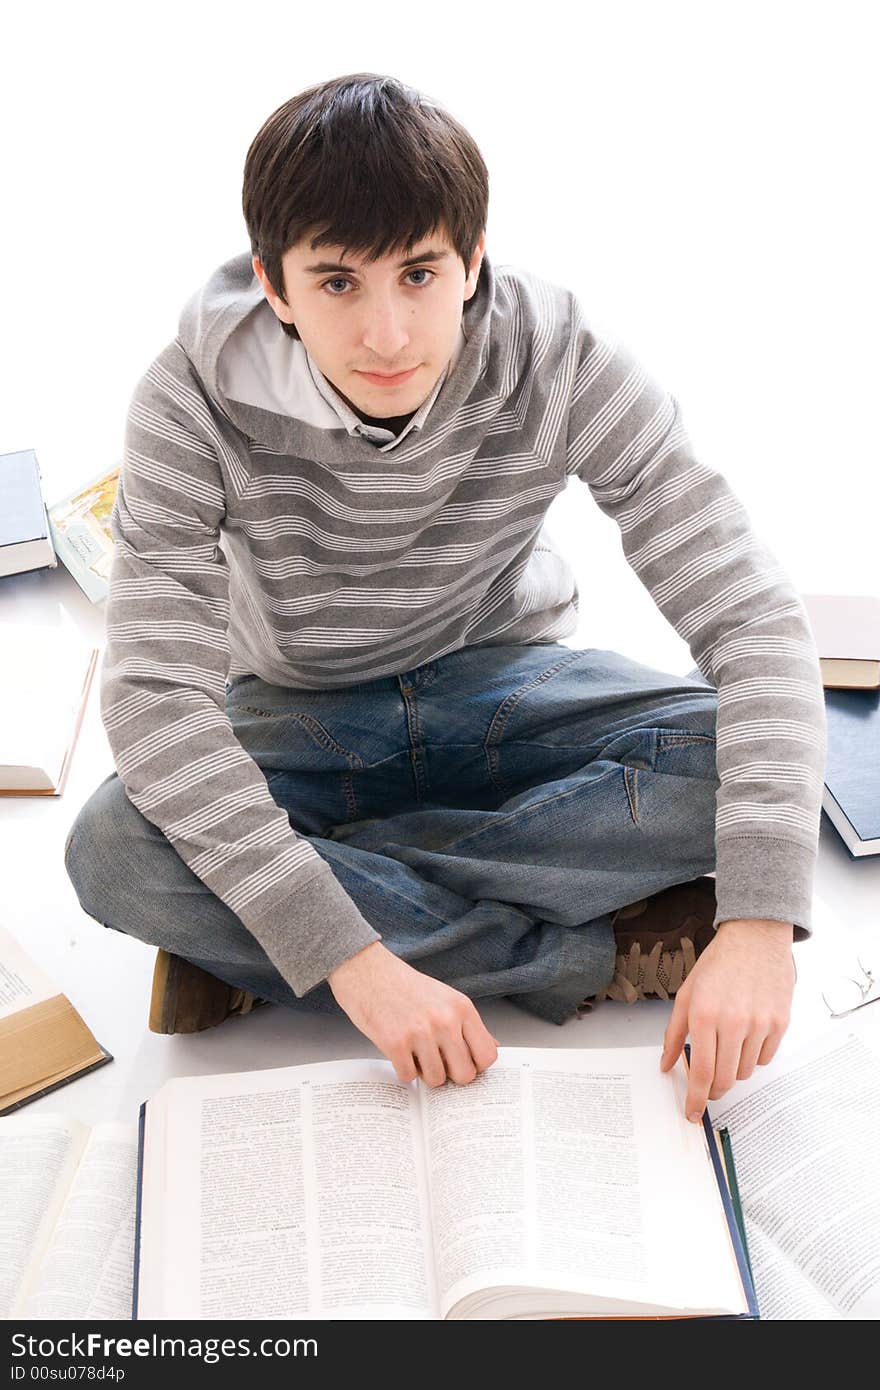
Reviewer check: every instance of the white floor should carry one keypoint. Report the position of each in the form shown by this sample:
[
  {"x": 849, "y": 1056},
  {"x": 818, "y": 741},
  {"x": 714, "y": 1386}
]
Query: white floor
[{"x": 107, "y": 976}]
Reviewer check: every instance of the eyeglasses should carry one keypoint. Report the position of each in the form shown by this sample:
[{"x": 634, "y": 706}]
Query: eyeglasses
[{"x": 846, "y": 993}]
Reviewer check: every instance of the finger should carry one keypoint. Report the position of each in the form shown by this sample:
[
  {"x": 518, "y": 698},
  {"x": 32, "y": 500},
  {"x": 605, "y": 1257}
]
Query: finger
[
  {"x": 728, "y": 1052},
  {"x": 676, "y": 1032},
  {"x": 404, "y": 1064},
  {"x": 702, "y": 1070},
  {"x": 751, "y": 1050},
  {"x": 483, "y": 1047},
  {"x": 431, "y": 1065},
  {"x": 456, "y": 1054},
  {"x": 771, "y": 1042}
]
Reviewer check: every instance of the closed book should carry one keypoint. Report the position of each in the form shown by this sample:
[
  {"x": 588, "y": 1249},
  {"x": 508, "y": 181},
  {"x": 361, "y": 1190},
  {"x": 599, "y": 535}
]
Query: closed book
[
  {"x": 80, "y": 525},
  {"x": 25, "y": 539},
  {"x": 851, "y": 797},
  {"x": 846, "y": 628},
  {"x": 48, "y": 673}
]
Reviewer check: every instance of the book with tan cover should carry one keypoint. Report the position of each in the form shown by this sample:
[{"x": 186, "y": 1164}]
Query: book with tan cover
[{"x": 44, "y": 1042}]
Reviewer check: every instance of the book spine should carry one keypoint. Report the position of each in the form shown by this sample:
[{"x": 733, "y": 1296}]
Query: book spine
[
  {"x": 142, "y": 1117},
  {"x": 745, "y": 1269},
  {"x": 724, "y": 1136}
]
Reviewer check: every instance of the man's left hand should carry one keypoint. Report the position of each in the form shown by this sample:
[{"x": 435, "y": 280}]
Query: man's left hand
[{"x": 736, "y": 1006}]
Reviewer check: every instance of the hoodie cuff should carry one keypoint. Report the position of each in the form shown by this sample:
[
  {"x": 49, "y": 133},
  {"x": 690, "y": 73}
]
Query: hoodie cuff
[
  {"x": 758, "y": 876},
  {"x": 314, "y": 929}
]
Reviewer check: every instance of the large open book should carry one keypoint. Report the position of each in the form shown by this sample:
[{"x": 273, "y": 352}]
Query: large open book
[
  {"x": 557, "y": 1184},
  {"x": 67, "y": 1203},
  {"x": 806, "y": 1132},
  {"x": 806, "y": 1135}
]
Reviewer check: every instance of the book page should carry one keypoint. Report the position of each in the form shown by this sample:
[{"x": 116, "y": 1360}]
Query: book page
[
  {"x": 805, "y": 1132},
  {"x": 40, "y": 704},
  {"x": 545, "y": 1173},
  {"x": 38, "y": 1159},
  {"x": 372, "y": 1229},
  {"x": 86, "y": 1271},
  {"x": 22, "y": 983},
  {"x": 295, "y": 1192},
  {"x": 781, "y": 1290}
]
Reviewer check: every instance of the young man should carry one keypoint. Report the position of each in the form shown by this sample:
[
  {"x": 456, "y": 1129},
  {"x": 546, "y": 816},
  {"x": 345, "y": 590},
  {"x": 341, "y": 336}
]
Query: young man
[{"x": 357, "y": 769}]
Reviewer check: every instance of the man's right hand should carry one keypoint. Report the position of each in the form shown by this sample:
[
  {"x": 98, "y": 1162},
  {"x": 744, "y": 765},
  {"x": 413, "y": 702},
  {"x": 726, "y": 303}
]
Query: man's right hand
[{"x": 423, "y": 1027}]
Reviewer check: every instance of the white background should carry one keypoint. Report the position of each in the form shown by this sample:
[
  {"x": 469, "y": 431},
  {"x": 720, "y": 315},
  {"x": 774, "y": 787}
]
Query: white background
[{"x": 702, "y": 175}]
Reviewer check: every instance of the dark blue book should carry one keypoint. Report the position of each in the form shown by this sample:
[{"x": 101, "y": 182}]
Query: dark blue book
[
  {"x": 25, "y": 539},
  {"x": 851, "y": 798}
]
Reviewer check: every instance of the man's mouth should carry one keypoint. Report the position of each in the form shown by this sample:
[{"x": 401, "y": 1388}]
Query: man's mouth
[{"x": 383, "y": 379}]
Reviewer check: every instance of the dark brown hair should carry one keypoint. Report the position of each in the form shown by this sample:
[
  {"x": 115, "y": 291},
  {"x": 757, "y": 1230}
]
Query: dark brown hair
[{"x": 366, "y": 163}]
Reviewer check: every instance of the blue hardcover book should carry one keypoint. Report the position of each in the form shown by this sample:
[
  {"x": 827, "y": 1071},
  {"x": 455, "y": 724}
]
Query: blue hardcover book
[
  {"x": 25, "y": 542},
  {"x": 851, "y": 798}
]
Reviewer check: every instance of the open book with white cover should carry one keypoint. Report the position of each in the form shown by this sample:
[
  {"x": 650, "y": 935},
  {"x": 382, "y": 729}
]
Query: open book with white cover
[
  {"x": 559, "y": 1183},
  {"x": 47, "y": 676},
  {"x": 312, "y": 1236}
]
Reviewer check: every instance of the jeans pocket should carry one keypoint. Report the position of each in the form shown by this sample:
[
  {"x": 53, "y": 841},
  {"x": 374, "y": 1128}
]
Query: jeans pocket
[{"x": 686, "y": 753}]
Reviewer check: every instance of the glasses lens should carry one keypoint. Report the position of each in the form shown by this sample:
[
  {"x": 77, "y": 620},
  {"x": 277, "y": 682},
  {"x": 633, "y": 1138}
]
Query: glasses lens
[{"x": 843, "y": 994}]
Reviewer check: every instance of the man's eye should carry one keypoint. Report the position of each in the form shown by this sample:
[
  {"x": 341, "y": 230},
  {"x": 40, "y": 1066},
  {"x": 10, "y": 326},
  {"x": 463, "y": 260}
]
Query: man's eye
[{"x": 340, "y": 280}]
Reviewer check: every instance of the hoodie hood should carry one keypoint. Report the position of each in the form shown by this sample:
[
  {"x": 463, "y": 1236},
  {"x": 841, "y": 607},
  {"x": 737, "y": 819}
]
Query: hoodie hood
[{"x": 232, "y": 302}]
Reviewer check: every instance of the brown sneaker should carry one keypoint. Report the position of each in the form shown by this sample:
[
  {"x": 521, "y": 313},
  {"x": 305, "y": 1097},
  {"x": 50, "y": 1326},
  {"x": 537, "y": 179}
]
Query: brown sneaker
[
  {"x": 186, "y": 999},
  {"x": 658, "y": 941}
]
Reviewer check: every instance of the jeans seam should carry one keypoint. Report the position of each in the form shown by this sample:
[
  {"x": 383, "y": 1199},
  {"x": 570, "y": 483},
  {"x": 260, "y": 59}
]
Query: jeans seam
[
  {"x": 501, "y": 717},
  {"x": 630, "y": 781},
  {"x": 313, "y": 727},
  {"x": 416, "y": 745},
  {"x": 669, "y": 740},
  {"x": 349, "y": 792}
]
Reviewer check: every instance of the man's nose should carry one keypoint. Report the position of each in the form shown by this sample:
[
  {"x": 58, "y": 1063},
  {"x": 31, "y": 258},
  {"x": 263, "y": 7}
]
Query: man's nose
[{"x": 386, "y": 331}]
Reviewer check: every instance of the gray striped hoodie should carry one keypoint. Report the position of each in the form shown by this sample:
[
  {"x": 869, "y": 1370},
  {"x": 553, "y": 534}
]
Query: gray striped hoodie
[{"x": 249, "y": 540}]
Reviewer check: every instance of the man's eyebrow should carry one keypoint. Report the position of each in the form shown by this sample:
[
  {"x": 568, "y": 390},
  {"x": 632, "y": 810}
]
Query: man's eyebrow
[{"x": 324, "y": 267}]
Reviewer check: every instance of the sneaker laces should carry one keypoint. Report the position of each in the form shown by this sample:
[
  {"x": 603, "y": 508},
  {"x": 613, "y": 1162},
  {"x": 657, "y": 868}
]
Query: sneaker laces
[
  {"x": 241, "y": 1001},
  {"x": 659, "y": 974}
]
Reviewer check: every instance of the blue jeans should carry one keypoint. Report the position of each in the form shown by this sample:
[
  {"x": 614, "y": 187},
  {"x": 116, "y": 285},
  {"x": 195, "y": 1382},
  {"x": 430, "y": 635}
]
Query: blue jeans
[{"x": 488, "y": 812}]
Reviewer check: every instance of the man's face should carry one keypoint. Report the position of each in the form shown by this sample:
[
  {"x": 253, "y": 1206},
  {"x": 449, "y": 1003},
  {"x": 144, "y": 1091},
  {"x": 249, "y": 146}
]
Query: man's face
[{"x": 387, "y": 318}]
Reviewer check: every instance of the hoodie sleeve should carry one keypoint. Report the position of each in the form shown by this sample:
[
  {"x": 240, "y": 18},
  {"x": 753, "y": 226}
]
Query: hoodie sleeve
[
  {"x": 163, "y": 688},
  {"x": 689, "y": 540}
]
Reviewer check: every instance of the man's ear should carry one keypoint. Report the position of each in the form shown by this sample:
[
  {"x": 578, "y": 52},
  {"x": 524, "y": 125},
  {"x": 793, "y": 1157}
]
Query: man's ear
[
  {"x": 260, "y": 273},
  {"x": 281, "y": 309},
  {"x": 473, "y": 275}
]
